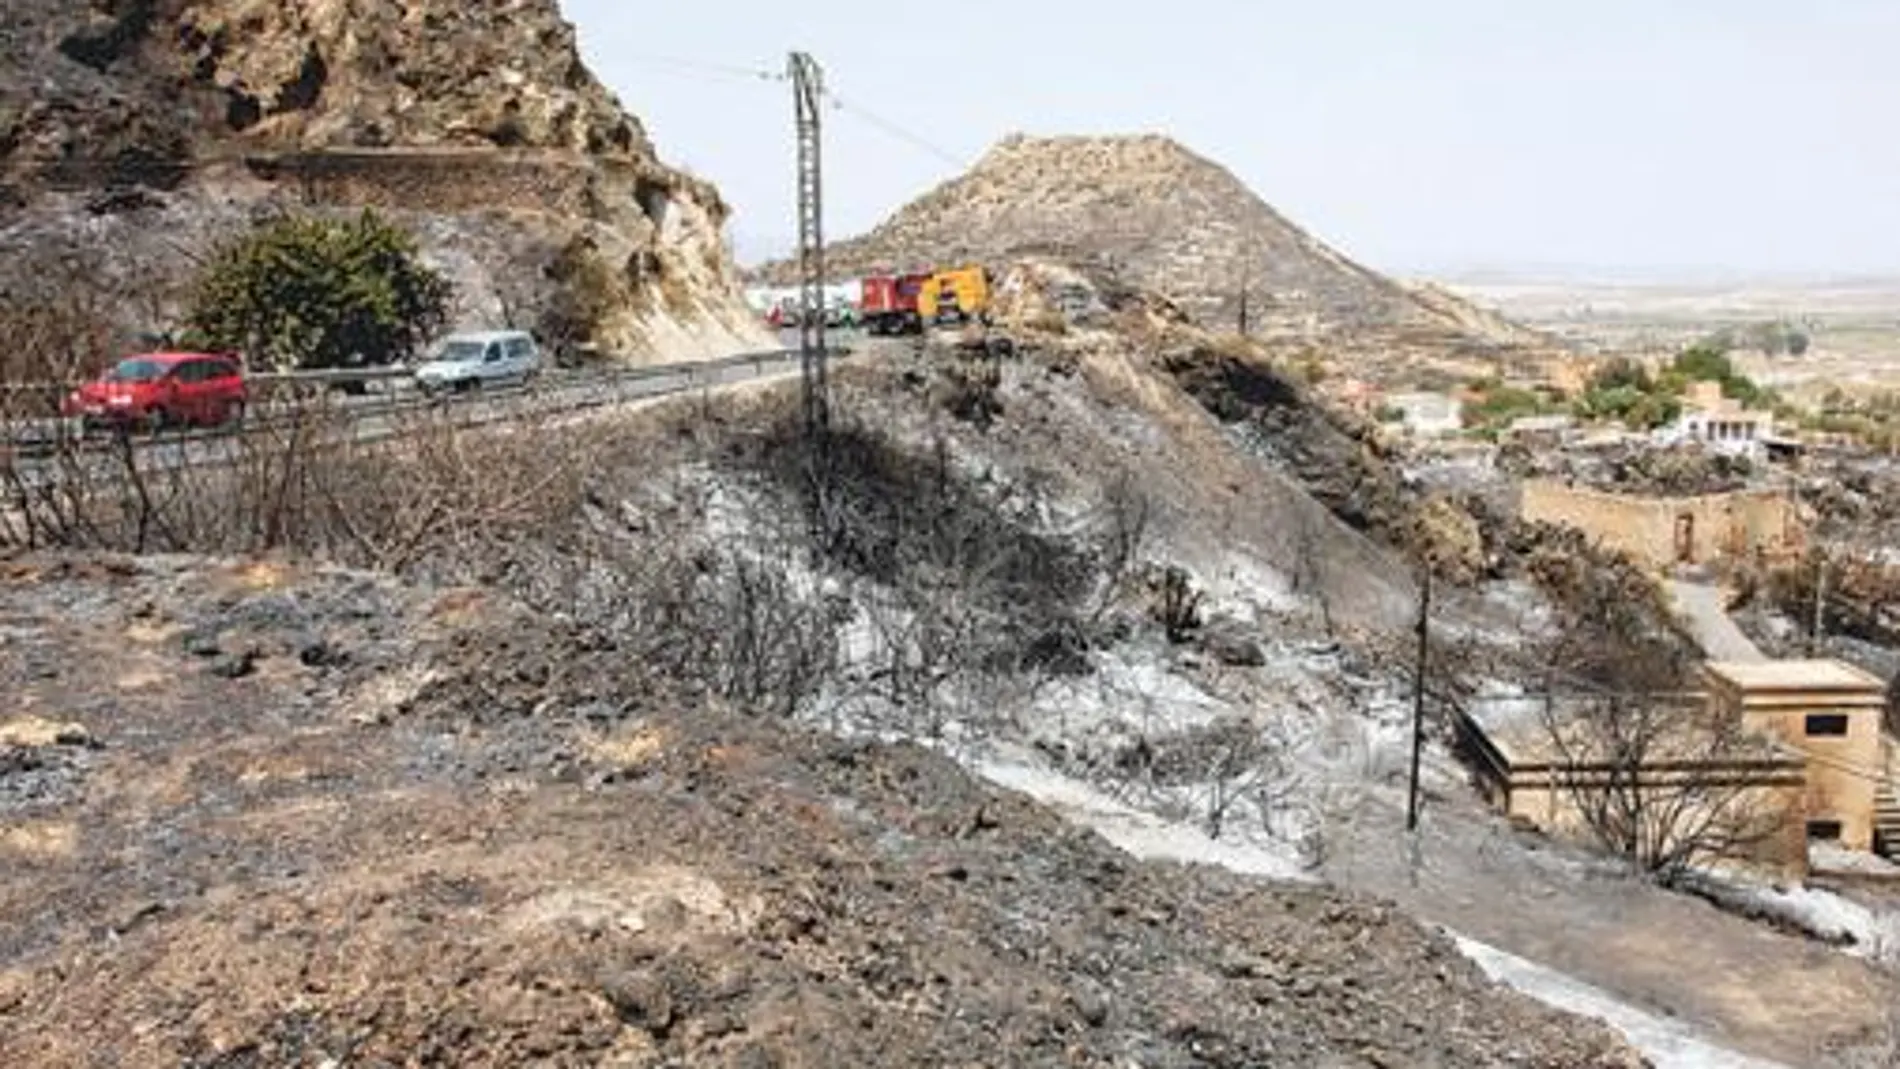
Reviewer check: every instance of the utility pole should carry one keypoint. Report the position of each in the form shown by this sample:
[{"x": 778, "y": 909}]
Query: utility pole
[
  {"x": 1418, "y": 693},
  {"x": 1246, "y": 289},
  {"x": 807, "y": 93},
  {"x": 1820, "y": 604}
]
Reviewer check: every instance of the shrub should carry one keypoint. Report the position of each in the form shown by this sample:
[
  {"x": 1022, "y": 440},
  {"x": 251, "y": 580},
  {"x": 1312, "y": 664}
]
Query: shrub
[
  {"x": 1705, "y": 362},
  {"x": 1622, "y": 373},
  {"x": 585, "y": 293},
  {"x": 308, "y": 292},
  {"x": 1176, "y": 605}
]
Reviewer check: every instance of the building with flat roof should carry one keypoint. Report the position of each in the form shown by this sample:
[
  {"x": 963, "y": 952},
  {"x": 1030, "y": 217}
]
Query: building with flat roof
[
  {"x": 1829, "y": 710},
  {"x": 1542, "y": 764},
  {"x": 1798, "y": 739},
  {"x": 1719, "y": 423}
]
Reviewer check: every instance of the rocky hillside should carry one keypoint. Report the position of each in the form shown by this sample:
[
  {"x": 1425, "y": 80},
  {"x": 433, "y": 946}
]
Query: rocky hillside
[
  {"x": 1162, "y": 219},
  {"x": 476, "y": 123},
  {"x": 1173, "y": 221}
]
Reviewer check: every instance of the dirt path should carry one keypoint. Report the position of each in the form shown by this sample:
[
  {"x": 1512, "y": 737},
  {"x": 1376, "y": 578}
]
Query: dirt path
[
  {"x": 1700, "y": 605},
  {"x": 1750, "y": 988}
]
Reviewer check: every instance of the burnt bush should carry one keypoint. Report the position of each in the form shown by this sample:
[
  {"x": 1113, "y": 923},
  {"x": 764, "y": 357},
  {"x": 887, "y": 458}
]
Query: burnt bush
[{"x": 890, "y": 515}]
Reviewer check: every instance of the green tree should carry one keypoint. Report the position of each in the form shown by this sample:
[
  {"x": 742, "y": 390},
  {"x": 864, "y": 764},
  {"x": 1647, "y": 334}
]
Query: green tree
[
  {"x": 1705, "y": 362},
  {"x": 1622, "y": 372},
  {"x": 306, "y": 292},
  {"x": 1652, "y": 411}
]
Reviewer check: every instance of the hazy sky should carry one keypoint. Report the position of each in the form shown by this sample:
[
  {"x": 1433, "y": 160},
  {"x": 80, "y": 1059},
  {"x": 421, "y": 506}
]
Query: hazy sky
[{"x": 1657, "y": 135}]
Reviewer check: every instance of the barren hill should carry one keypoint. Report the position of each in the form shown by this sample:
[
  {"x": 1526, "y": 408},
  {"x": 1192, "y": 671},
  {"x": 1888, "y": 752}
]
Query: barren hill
[
  {"x": 1173, "y": 221},
  {"x": 1161, "y": 219},
  {"x": 477, "y": 123}
]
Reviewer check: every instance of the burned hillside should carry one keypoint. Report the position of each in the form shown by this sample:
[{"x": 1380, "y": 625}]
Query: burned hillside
[
  {"x": 638, "y": 635},
  {"x": 421, "y": 823}
]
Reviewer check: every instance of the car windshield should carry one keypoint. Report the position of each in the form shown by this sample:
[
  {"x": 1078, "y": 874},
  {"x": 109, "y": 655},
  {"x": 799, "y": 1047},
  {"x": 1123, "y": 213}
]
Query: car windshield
[
  {"x": 459, "y": 351},
  {"x": 136, "y": 371}
]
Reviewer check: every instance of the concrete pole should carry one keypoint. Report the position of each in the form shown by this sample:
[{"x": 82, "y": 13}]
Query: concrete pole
[
  {"x": 1820, "y": 604},
  {"x": 1418, "y": 696}
]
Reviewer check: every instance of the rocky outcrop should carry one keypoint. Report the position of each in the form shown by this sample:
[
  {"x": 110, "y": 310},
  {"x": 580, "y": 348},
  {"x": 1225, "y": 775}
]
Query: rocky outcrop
[{"x": 476, "y": 123}]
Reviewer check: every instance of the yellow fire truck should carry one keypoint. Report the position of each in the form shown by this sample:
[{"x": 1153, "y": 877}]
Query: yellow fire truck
[{"x": 955, "y": 295}]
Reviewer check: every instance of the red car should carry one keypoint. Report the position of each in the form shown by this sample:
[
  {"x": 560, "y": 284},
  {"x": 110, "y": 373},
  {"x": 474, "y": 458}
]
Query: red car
[{"x": 163, "y": 389}]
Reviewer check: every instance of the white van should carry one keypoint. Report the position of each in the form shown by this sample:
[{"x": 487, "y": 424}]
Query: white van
[{"x": 488, "y": 358}]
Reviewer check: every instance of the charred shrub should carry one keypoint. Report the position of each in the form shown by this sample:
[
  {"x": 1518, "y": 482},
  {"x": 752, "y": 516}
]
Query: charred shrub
[{"x": 1175, "y": 603}]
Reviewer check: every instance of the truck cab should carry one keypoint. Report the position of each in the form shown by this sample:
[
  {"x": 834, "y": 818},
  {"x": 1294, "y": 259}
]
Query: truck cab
[
  {"x": 956, "y": 295},
  {"x": 887, "y": 304}
]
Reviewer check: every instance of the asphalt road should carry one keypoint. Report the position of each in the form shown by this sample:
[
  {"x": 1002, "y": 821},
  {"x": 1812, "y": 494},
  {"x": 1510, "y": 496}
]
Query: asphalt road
[{"x": 373, "y": 418}]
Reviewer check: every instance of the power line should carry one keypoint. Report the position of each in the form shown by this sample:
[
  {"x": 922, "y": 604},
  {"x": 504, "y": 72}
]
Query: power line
[
  {"x": 758, "y": 74},
  {"x": 701, "y": 66},
  {"x": 893, "y": 129}
]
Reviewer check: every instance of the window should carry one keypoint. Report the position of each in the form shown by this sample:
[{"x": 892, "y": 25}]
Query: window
[
  {"x": 1828, "y": 830},
  {"x": 520, "y": 348},
  {"x": 493, "y": 355},
  {"x": 1827, "y": 724},
  {"x": 136, "y": 371},
  {"x": 192, "y": 371}
]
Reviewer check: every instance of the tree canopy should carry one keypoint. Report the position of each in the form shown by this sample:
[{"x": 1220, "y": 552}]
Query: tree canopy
[{"x": 306, "y": 292}]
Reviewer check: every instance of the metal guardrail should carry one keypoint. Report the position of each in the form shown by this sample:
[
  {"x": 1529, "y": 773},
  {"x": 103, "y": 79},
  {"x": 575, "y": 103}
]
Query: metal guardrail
[{"x": 549, "y": 394}]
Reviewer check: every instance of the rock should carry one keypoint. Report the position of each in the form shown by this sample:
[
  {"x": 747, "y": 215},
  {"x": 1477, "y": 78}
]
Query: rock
[
  {"x": 641, "y": 1000},
  {"x": 203, "y": 644},
  {"x": 235, "y": 665},
  {"x": 1227, "y": 642},
  {"x": 319, "y": 653},
  {"x": 1090, "y": 1006},
  {"x": 34, "y": 732}
]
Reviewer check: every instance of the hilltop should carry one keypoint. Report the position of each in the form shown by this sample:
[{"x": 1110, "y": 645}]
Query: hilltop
[
  {"x": 1169, "y": 221},
  {"x": 154, "y": 129}
]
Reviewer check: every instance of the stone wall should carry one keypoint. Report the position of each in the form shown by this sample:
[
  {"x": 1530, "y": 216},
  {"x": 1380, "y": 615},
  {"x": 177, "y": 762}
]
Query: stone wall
[
  {"x": 459, "y": 181},
  {"x": 1665, "y": 531},
  {"x": 1777, "y": 792},
  {"x": 1534, "y": 788}
]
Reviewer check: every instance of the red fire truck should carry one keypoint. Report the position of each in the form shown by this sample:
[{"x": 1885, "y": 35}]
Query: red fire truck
[{"x": 887, "y": 304}]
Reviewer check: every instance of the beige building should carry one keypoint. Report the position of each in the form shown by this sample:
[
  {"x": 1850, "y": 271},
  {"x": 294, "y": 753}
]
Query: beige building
[
  {"x": 1831, "y": 712},
  {"x": 1812, "y": 759},
  {"x": 1666, "y": 531},
  {"x": 1528, "y": 770}
]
